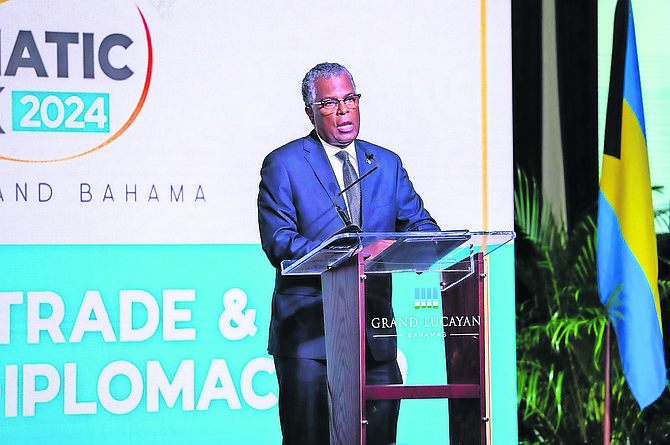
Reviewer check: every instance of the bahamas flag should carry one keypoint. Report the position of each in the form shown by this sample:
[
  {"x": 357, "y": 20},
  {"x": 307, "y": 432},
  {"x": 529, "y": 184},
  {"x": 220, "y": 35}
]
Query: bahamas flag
[{"x": 627, "y": 256}]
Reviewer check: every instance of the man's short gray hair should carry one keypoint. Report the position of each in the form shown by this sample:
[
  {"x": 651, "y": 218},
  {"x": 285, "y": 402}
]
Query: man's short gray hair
[{"x": 322, "y": 70}]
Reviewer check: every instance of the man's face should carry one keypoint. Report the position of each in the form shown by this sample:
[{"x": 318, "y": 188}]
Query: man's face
[{"x": 340, "y": 128}]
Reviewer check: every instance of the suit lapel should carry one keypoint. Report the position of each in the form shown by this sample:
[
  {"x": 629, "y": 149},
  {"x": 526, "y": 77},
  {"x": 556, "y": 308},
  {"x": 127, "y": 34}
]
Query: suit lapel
[
  {"x": 316, "y": 157},
  {"x": 367, "y": 184}
]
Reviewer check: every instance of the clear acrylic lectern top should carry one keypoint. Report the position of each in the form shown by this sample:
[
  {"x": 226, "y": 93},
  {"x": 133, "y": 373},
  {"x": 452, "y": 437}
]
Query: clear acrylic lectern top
[{"x": 389, "y": 252}]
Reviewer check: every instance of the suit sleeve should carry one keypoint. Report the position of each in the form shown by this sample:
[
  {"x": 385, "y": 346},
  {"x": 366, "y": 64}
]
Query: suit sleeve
[
  {"x": 277, "y": 219},
  {"x": 411, "y": 214}
]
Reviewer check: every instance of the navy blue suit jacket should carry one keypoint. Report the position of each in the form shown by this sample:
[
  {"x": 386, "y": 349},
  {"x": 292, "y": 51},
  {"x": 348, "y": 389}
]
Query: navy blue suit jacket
[{"x": 296, "y": 214}]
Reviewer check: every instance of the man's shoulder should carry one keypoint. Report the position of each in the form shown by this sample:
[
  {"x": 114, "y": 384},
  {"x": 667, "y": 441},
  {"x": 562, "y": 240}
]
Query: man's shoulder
[
  {"x": 376, "y": 150},
  {"x": 296, "y": 147}
]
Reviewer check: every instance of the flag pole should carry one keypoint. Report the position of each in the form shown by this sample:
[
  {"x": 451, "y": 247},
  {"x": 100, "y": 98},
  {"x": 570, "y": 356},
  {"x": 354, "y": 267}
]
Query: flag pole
[{"x": 606, "y": 416}]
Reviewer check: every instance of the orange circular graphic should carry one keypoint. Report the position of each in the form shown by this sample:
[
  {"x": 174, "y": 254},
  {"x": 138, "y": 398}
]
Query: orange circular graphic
[{"x": 28, "y": 59}]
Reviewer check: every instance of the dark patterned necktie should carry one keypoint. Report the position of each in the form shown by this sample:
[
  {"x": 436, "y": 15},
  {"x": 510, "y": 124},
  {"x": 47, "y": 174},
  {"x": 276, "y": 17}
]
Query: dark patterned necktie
[{"x": 354, "y": 193}]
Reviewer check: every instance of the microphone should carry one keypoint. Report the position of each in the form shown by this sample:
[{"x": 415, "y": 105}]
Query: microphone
[
  {"x": 340, "y": 211},
  {"x": 368, "y": 157},
  {"x": 344, "y": 217},
  {"x": 348, "y": 225}
]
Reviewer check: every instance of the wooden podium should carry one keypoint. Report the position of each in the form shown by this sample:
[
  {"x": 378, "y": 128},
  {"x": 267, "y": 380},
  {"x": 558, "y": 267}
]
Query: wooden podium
[{"x": 344, "y": 261}]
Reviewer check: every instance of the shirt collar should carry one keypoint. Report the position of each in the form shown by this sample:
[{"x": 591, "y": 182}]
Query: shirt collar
[{"x": 331, "y": 150}]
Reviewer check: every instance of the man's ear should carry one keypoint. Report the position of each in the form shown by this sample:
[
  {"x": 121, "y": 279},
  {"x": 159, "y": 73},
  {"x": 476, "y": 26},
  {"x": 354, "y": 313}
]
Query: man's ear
[{"x": 310, "y": 114}]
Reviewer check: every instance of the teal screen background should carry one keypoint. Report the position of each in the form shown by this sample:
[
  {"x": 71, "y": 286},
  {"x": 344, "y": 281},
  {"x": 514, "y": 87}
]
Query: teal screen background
[{"x": 210, "y": 270}]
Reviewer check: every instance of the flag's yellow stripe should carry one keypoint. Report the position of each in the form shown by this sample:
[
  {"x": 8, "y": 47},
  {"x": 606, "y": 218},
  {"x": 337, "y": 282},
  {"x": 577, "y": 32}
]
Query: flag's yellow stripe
[{"x": 626, "y": 185}]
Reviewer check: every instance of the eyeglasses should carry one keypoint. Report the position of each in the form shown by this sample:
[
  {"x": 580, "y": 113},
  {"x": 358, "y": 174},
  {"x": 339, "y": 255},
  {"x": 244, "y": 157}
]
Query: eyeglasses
[{"x": 328, "y": 106}]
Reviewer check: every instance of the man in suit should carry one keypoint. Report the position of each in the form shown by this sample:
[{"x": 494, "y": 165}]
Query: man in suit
[{"x": 300, "y": 182}]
